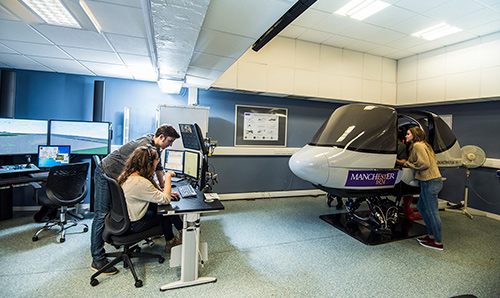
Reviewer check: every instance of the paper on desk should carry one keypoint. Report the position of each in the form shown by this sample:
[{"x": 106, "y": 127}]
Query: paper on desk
[{"x": 211, "y": 196}]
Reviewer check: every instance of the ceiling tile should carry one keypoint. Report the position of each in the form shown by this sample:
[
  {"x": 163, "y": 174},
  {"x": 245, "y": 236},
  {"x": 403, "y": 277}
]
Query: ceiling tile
[
  {"x": 452, "y": 10},
  {"x": 108, "y": 70},
  {"x": 208, "y": 61},
  {"x": 129, "y": 45},
  {"x": 20, "y": 32},
  {"x": 92, "y": 55},
  {"x": 74, "y": 37},
  {"x": 340, "y": 41},
  {"x": 292, "y": 31},
  {"x": 419, "y": 6},
  {"x": 315, "y": 36},
  {"x": 21, "y": 62},
  {"x": 34, "y": 49},
  {"x": 245, "y": 18},
  {"x": 311, "y": 17},
  {"x": 119, "y": 19},
  {"x": 335, "y": 23},
  {"x": 390, "y": 16},
  {"x": 215, "y": 43}
]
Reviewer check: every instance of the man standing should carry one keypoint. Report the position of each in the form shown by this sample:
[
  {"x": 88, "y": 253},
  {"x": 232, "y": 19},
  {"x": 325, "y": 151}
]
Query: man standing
[{"x": 112, "y": 165}]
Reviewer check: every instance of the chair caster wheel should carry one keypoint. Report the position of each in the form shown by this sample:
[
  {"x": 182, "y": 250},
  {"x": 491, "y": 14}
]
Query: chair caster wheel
[
  {"x": 161, "y": 260},
  {"x": 94, "y": 282},
  {"x": 62, "y": 240},
  {"x": 35, "y": 238},
  {"x": 138, "y": 283},
  {"x": 85, "y": 230}
]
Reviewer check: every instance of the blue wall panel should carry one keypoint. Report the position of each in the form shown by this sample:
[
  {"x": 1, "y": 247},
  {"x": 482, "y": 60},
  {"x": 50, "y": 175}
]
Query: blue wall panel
[{"x": 43, "y": 95}]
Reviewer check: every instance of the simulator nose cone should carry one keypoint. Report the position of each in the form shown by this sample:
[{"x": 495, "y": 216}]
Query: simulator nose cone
[{"x": 310, "y": 164}]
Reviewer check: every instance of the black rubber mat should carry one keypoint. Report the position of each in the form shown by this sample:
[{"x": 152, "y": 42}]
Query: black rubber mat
[{"x": 365, "y": 233}]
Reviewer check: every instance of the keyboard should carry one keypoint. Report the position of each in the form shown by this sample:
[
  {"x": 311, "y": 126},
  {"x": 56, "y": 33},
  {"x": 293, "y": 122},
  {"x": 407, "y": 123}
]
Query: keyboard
[
  {"x": 186, "y": 190},
  {"x": 43, "y": 175}
]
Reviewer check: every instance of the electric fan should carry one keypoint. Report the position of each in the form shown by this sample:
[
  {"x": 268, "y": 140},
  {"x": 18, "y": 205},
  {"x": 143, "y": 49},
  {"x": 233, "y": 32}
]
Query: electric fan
[{"x": 472, "y": 157}]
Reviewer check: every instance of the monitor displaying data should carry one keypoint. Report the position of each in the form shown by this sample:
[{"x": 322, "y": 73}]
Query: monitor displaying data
[
  {"x": 22, "y": 136},
  {"x": 49, "y": 156},
  {"x": 174, "y": 161},
  {"x": 191, "y": 164},
  {"x": 84, "y": 137}
]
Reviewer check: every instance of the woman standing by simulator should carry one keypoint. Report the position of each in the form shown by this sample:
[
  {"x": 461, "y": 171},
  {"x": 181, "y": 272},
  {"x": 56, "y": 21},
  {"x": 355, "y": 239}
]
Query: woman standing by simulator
[{"x": 423, "y": 160}]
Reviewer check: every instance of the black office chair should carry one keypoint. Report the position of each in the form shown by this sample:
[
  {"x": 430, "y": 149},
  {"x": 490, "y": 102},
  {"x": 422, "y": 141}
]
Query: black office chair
[
  {"x": 66, "y": 186},
  {"x": 116, "y": 233}
]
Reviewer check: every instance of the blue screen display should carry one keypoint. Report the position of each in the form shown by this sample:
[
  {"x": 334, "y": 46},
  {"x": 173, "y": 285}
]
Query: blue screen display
[{"x": 49, "y": 156}]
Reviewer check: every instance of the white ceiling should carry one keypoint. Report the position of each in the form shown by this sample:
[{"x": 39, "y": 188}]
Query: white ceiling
[{"x": 197, "y": 40}]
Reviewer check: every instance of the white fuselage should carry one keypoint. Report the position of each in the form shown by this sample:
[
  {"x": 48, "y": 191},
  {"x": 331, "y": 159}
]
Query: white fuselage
[{"x": 334, "y": 167}]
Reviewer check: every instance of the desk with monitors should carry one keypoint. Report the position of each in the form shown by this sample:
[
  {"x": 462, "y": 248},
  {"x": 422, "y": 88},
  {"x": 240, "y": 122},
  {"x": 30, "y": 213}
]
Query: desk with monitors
[{"x": 187, "y": 254}]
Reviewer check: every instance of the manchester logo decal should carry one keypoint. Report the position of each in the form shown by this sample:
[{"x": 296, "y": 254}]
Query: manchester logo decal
[{"x": 371, "y": 178}]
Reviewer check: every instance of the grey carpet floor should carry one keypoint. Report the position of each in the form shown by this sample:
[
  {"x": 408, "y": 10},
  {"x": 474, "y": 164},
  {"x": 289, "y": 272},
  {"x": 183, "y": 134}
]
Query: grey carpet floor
[{"x": 264, "y": 248}]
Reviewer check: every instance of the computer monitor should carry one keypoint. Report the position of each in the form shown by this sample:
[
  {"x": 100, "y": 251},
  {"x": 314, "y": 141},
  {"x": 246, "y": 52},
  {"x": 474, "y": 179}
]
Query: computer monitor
[
  {"x": 22, "y": 136},
  {"x": 192, "y": 137},
  {"x": 174, "y": 161},
  {"x": 84, "y": 137},
  {"x": 191, "y": 164},
  {"x": 49, "y": 156}
]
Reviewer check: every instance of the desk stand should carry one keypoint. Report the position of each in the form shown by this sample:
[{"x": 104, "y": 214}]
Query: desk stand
[{"x": 190, "y": 256}]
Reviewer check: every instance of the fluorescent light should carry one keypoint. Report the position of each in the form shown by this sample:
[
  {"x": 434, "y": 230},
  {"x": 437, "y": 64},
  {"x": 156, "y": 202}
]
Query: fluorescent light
[
  {"x": 361, "y": 9},
  {"x": 91, "y": 16},
  {"x": 170, "y": 86},
  {"x": 437, "y": 31},
  {"x": 52, "y": 12}
]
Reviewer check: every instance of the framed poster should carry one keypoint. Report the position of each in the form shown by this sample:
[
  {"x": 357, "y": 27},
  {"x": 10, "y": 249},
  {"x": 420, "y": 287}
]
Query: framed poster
[{"x": 260, "y": 126}]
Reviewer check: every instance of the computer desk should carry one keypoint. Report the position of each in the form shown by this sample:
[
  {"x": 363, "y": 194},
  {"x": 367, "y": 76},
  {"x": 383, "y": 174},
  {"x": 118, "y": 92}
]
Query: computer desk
[
  {"x": 12, "y": 176},
  {"x": 190, "y": 209}
]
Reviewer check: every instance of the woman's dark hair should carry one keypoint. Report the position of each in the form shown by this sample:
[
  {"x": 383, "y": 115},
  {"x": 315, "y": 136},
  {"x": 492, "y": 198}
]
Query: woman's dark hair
[{"x": 142, "y": 162}]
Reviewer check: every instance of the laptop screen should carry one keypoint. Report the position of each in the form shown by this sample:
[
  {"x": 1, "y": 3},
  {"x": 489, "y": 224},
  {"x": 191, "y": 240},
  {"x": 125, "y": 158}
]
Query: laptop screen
[{"x": 49, "y": 156}]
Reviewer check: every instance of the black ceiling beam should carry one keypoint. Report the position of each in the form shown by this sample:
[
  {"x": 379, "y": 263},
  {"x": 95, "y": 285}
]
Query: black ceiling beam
[{"x": 296, "y": 10}]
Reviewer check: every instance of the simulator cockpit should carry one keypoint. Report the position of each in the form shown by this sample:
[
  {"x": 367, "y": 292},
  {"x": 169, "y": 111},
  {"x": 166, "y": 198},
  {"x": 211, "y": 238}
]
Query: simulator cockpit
[{"x": 353, "y": 155}]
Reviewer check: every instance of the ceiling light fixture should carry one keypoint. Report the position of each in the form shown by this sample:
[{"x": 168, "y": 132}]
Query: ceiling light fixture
[
  {"x": 170, "y": 86},
  {"x": 437, "y": 31},
  {"x": 53, "y": 12},
  {"x": 91, "y": 16},
  {"x": 361, "y": 9}
]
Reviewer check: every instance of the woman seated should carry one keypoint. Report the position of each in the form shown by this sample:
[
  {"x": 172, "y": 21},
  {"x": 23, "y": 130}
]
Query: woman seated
[{"x": 140, "y": 189}]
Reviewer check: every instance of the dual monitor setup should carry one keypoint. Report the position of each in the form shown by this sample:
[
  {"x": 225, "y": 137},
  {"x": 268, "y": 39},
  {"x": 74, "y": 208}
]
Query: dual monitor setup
[
  {"x": 191, "y": 162},
  {"x": 23, "y": 136},
  {"x": 182, "y": 162}
]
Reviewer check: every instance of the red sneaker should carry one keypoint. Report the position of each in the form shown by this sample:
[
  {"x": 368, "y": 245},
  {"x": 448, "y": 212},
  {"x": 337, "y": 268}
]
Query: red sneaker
[
  {"x": 432, "y": 244},
  {"x": 425, "y": 239}
]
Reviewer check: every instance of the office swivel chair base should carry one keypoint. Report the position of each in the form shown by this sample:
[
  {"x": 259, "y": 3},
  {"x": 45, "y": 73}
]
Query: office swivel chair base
[
  {"x": 62, "y": 222},
  {"x": 126, "y": 255}
]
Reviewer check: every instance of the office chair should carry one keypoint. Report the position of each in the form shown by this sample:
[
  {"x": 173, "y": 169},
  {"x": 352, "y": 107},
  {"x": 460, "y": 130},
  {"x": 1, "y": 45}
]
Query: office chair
[
  {"x": 116, "y": 233},
  {"x": 66, "y": 186}
]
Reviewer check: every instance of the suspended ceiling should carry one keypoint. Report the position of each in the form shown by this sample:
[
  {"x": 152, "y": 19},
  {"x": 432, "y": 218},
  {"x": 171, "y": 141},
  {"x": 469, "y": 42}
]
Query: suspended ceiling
[{"x": 197, "y": 40}]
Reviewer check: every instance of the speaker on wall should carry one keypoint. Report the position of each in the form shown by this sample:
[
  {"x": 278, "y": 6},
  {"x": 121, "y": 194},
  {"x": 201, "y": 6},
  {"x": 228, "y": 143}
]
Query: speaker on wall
[
  {"x": 98, "y": 101},
  {"x": 8, "y": 94}
]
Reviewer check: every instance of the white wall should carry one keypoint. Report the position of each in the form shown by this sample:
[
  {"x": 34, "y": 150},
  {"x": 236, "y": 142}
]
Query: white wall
[
  {"x": 468, "y": 70},
  {"x": 293, "y": 67}
]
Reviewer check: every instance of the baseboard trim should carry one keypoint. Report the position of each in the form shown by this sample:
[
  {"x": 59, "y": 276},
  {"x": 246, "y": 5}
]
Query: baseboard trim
[{"x": 270, "y": 194}]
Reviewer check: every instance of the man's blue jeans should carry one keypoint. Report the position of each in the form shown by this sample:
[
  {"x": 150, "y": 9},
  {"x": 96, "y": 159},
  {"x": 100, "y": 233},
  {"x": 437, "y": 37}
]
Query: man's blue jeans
[
  {"x": 428, "y": 206},
  {"x": 102, "y": 205}
]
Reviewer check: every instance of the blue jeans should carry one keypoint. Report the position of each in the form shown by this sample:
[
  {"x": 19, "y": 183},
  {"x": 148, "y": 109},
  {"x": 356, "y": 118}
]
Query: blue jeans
[
  {"x": 102, "y": 205},
  {"x": 428, "y": 207}
]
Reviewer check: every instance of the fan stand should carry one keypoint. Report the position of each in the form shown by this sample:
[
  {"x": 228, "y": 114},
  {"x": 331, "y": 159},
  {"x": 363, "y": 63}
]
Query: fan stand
[{"x": 462, "y": 208}]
